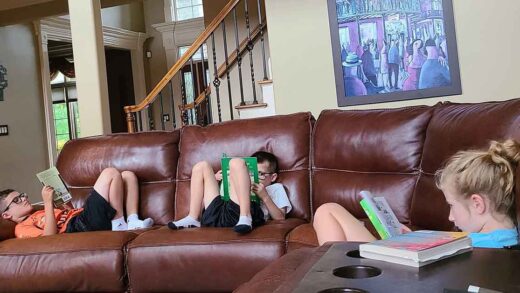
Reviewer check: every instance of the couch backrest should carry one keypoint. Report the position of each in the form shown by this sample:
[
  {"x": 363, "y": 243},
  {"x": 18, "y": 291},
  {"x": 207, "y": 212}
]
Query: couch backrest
[
  {"x": 455, "y": 127},
  {"x": 152, "y": 156},
  {"x": 375, "y": 150},
  {"x": 395, "y": 153},
  {"x": 286, "y": 136}
]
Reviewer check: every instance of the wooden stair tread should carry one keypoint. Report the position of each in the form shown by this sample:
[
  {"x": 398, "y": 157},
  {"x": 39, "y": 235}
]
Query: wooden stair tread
[{"x": 250, "y": 106}]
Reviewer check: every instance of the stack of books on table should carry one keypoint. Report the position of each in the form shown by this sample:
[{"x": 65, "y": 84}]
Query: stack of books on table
[{"x": 417, "y": 248}]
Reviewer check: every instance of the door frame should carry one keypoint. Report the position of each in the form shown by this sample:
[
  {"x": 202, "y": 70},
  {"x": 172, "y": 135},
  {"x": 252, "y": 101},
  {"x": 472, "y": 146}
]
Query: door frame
[{"x": 58, "y": 29}]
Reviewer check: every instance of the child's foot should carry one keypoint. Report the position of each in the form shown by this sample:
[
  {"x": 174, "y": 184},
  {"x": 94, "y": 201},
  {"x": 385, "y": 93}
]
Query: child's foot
[
  {"x": 186, "y": 222},
  {"x": 135, "y": 224},
  {"x": 244, "y": 225},
  {"x": 119, "y": 224}
]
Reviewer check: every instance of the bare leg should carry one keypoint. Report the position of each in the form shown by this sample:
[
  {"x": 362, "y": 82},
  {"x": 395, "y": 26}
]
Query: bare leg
[
  {"x": 110, "y": 186},
  {"x": 203, "y": 188},
  {"x": 131, "y": 187},
  {"x": 334, "y": 223},
  {"x": 241, "y": 185}
]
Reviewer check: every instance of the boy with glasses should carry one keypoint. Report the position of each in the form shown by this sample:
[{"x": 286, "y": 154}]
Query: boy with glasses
[
  {"x": 103, "y": 209},
  {"x": 239, "y": 212}
]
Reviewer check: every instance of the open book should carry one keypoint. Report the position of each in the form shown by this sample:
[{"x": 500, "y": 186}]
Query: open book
[
  {"x": 380, "y": 214},
  {"x": 51, "y": 177},
  {"x": 417, "y": 248},
  {"x": 252, "y": 166}
]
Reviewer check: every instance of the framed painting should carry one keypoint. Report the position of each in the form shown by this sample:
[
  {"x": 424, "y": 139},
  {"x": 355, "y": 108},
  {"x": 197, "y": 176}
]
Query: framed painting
[{"x": 393, "y": 50}]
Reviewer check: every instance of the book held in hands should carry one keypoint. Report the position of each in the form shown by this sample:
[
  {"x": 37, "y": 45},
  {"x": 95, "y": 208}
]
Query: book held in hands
[
  {"x": 417, "y": 248},
  {"x": 62, "y": 197},
  {"x": 252, "y": 166},
  {"x": 380, "y": 215}
]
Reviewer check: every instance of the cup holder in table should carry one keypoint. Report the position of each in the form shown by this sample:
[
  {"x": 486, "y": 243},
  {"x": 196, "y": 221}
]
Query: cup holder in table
[
  {"x": 340, "y": 290},
  {"x": 354, "y": 254},
  {"x": 356, "y": 272}
]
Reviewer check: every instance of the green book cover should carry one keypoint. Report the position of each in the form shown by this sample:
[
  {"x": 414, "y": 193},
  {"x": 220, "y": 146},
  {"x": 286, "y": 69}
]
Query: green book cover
[
  {"x": 252, "y": 166},
  {"x": 372, "y": 216}
]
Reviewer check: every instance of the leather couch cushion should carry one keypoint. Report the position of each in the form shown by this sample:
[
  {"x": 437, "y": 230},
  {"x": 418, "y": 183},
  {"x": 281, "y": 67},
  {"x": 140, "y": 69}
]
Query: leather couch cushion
[
  {"x": 90, "y": 261},
  {"x": 286, "y": 136},
  {"x": 151, "y": 155},
  {"x": 215, "y": 259},
  {"x": 375, "y": 150},
  {"x": 455, "y": 127}
]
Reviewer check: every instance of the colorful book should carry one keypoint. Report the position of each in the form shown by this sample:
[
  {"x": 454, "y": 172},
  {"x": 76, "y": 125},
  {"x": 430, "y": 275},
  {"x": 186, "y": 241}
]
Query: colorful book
[
  {"x": 252, "y": 166},
  {"x": 62, "y": 197},
  {"x": 417, "y": 248},
  {"x": 380, "y": 214}
]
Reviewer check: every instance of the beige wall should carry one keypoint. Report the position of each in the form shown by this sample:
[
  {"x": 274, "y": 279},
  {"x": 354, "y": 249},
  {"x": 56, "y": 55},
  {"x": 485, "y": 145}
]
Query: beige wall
[
  {"x": 24, "y": 152},
  {"x": 303, "y": 74},
  {"x": 128, "y": 16}
]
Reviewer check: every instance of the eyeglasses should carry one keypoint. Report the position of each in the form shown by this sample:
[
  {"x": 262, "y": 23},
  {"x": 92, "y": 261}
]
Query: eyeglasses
[
  {"x": 17, "y": 200},
  {"x": 262, "y": 175}
]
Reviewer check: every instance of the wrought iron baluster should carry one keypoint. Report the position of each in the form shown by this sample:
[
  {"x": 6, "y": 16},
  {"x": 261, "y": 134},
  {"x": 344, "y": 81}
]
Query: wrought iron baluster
[
  {"x": 227, "y": 68},
  {"x": 139, "y": 126},
  {"x": 184, "y": 114},
  {"x": 262, "y": 24},
  {"x": 205, "y": 82},
  {"x": 239, "y": 58},
  {"x": 172, "y": 105},
  {"x": 193, "y": 120},
  {"x": 216, "y": 81},
  {"x": 250, "y": 47},
  {"x": 162, "y": 110}
]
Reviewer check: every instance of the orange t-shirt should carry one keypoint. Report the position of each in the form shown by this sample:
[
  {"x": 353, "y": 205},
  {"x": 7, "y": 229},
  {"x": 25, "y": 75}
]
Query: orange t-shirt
[{"x": 34, "y": 225}]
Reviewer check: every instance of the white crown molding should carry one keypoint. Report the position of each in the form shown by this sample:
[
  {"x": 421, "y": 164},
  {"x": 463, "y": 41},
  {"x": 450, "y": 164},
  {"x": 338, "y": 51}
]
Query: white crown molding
[
  {"x": 180, "y": 33},
  {"x": 58, "y": 29}
]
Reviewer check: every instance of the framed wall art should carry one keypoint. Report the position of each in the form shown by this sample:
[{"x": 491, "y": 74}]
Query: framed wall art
[{"x": 392, "y": 50}]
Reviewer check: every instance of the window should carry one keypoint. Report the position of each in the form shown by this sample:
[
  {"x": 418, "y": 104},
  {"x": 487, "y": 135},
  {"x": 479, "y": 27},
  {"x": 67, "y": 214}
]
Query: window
[
  {"x": 187, "y": 9},
  {"x": 196, "y": 56},
  {"x": 65, "y": 109}
]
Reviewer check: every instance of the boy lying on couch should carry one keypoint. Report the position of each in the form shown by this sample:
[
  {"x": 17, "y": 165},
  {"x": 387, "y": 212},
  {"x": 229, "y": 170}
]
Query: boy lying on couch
[{"x": 103, "y": 209}]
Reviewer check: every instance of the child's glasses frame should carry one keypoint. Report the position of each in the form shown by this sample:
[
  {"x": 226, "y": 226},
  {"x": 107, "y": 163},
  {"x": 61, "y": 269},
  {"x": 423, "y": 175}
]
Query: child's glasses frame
[{"x": 17, "y": 200}]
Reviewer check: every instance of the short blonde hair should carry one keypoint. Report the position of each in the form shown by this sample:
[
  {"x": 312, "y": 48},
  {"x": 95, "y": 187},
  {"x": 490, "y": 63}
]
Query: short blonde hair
[{"x": 489, "y": 173}]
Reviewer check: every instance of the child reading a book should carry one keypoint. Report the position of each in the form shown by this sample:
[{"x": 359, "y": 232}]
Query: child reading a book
[
  {"x": 239, "y": 212},
  {"x": 478, "y": 187},
  {"x": 103, "y": 209}
]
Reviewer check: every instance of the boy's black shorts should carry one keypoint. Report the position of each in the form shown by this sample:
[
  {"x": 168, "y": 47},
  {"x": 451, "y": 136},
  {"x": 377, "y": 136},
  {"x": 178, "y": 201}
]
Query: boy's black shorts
[
  {"x": 222, "y": 213},
  {"x": 97, "y": 215}
]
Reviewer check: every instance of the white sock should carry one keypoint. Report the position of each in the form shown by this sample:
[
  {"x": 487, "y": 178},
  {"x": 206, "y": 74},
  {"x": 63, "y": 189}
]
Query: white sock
[
  {"x": 245, "y": 220},
  {"x": 119, "y": 224},
  {"x": 134, "y": 222},
  {"x": 132, "y": 217},
  {"x": 186, "y": 222}
]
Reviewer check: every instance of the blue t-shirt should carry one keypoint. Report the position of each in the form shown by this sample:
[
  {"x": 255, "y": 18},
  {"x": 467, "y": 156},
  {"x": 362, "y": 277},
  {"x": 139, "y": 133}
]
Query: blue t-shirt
[{"x": 496, "y": 239}]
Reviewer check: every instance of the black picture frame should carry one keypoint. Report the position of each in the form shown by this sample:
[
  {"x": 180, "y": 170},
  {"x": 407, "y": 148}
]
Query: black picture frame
[{"x": 389, "y": 95}]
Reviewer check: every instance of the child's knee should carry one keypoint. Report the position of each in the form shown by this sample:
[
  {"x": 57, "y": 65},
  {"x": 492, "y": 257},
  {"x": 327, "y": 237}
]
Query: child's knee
[
  {"x": 201, "y": 166},
  {"x": 326, "y": 208},
  {"x": 110, "y": 172},
  {"x": 237, "y": 163},
  {"x": 129, "y": 175}
]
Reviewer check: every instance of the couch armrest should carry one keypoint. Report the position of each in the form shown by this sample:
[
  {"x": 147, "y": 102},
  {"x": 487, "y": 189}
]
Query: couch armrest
[{"x": 6, "y": 229}]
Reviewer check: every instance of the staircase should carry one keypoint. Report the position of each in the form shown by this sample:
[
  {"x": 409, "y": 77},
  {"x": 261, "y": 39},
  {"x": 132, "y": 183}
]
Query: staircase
[{"x": 218, "y": 75}]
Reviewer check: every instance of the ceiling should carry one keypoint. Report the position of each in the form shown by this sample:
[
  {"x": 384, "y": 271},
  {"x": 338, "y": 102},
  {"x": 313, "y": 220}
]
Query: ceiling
[{"x": 23, "y": 11}]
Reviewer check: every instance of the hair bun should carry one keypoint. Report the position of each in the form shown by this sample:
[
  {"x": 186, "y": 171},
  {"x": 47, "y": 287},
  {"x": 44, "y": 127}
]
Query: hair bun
[{"x": 509, "y": 150}]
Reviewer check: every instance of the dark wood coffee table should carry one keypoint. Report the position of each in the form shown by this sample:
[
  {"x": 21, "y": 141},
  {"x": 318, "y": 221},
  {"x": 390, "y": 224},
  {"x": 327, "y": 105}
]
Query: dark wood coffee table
[{"x": 496, "y": 269}]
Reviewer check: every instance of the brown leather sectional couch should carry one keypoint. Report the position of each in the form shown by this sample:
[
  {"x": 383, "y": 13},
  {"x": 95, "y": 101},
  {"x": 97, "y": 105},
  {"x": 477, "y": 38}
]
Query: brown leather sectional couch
[{"x": 392, "y": 152}]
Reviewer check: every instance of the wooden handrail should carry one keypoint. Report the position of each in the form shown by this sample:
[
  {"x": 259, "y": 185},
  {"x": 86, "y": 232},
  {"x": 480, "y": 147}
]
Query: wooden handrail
[
  {"x": 222, "y": 68},
  {"x": 150, "y": 98}
]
